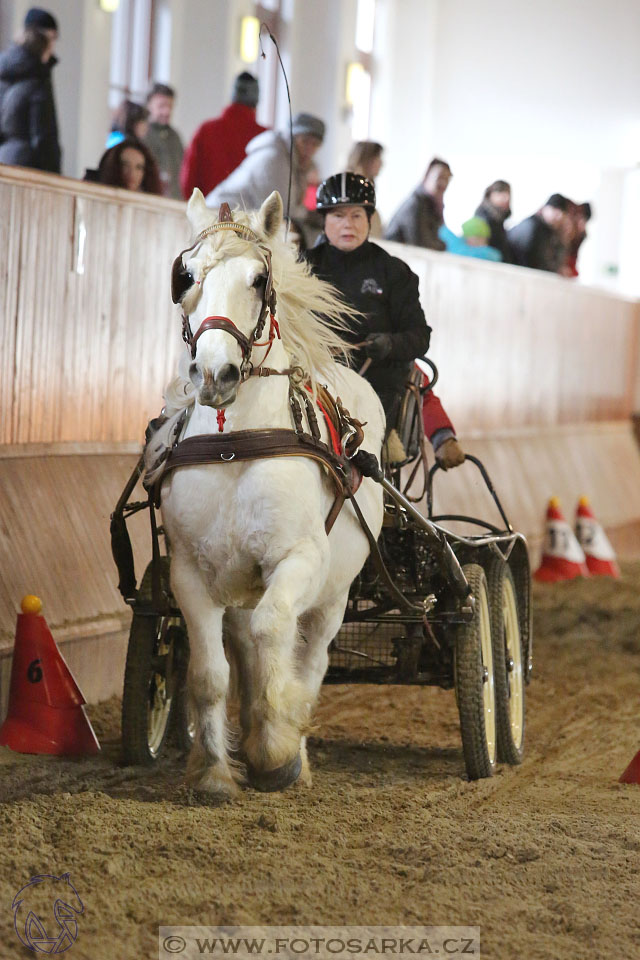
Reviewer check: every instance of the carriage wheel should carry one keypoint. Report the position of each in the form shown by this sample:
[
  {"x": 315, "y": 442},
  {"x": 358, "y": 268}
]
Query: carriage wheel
[
  {"x": 154, "y": 681},
  {"x": 507, "y": 661},
  {"x": 474, "y": 681}
]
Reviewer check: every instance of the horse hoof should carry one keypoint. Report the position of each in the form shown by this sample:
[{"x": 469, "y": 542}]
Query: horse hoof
[{"x": 268, "y": 781}]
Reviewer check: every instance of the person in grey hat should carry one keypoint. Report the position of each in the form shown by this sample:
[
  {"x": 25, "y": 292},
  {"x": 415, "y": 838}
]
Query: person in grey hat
[
  {"x": 218, "y": 146},
  {"x": 28, "y": 122},
  {"x": 266, "y": 167}
]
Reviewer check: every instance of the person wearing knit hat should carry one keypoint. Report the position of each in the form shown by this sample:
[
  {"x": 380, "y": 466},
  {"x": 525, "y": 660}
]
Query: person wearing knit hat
[
  {"x": 537, "y": 241},
  {"x": 218, "y": 145},
  {"x": 266, "y": 168},
  {"x": 28, "y": 122},
  {"x": 476, "y": 231},
  {"x": 40, "y": 19}
]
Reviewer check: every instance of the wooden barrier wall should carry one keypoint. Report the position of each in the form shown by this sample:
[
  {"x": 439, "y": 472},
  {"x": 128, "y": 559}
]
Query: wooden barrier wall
[{"x": 539, "y": 374}]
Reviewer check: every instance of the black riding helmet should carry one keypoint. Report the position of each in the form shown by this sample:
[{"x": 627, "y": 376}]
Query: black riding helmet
[{"x": 346, "y": 190}]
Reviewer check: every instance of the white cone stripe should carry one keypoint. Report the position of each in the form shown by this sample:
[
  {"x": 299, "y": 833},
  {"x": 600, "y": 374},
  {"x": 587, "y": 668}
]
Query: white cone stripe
[
  {"x": 560, "y": 541},
  {"x": 593, "y": 539}
]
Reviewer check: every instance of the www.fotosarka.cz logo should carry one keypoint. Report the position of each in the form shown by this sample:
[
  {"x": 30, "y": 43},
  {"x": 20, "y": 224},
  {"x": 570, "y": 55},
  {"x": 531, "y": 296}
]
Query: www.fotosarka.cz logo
[{"x": 45, "y": 914}]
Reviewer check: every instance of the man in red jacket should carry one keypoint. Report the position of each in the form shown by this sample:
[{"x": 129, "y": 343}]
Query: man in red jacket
[{"x": 218, "y": 146}]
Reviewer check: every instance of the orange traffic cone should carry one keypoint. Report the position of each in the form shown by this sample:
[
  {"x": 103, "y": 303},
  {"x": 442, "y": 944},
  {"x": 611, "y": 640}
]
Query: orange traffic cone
[
  {"x": 632, "y": 773},
  {"x": 562, "y": 556},
  {"x": 46, "y": 709},
  {"x": 601, "y": 559}
]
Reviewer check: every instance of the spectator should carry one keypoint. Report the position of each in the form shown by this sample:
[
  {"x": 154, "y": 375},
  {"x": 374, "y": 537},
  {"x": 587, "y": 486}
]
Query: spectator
[
  {"x": 537, "y": 241},
  {"x": 420, "y": 217},
  {"x": 474, "y": 241},
  {"x": 163, "y": 141},
  {"x": 366, "y": 159},
  {"x": 218, "y": 146},
  {"x": 496, "y": 209},
  {"x": 266, "y": 168},
  {"x": 130, "y": 165},
  {"x": 130, "y": 121},
  {"x": 581, "y": 214},
  {"x": 28, "y": 123}
]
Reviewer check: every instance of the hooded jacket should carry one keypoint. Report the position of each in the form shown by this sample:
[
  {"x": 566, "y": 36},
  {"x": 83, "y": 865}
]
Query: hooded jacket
[
  {"x": 265, "y": 168},
  {"x": 417, "y": 222},
  {"x": 217, "y": 148},
  {"x": 28, "y": 123},
  {"x": 385, "y": 290}
]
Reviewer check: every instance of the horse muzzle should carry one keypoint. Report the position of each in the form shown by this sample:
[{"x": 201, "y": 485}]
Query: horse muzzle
[{"x": 215, "y": 390}]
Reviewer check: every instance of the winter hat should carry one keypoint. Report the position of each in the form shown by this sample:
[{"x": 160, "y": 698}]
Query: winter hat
[
  {"x": 245, "y": 90},
  {"x": 40, "y": 19},
  {"x": 558, "y": 201},
  {"x": 304, "y": 123},
  {"x": 476, "y": 227}
]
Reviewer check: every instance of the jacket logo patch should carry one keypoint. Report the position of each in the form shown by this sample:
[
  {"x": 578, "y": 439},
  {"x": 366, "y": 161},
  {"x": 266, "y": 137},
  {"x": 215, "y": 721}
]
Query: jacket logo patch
[{"x": 371, "y": 286}]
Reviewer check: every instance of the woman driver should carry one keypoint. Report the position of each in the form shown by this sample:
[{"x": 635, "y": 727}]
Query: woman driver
[{"x": 392, "y": 329}]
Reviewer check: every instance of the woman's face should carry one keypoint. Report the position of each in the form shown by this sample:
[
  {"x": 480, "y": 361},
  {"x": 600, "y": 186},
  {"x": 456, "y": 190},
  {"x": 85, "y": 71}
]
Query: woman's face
[
  {"x": 141, "y": 129},
  {"x": 132, "y": 168},
  {"x": 346, "y": 227}
]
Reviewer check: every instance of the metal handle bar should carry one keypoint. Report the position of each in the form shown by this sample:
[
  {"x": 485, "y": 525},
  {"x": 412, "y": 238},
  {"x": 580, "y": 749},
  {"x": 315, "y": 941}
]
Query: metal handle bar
[{"x": 485, "y": 477}]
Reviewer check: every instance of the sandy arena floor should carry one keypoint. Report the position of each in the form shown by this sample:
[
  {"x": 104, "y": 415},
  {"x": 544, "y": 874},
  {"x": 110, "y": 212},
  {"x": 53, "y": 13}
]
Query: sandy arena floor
[{"x": 544, "y": 857}]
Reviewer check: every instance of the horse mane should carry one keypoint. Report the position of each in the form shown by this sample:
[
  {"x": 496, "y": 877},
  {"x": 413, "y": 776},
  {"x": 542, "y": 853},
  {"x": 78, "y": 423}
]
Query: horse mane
[{"x": 311, "y": 314}]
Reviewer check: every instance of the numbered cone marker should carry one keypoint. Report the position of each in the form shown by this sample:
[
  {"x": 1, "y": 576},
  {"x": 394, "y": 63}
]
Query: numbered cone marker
[
  {"x": 601, "y": 559},
  {"x": 562, "y": 556},
  {"x": 46, "y": 708}
]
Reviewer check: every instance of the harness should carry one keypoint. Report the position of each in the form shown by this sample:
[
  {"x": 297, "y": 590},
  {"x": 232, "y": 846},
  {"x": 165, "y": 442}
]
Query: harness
[{"x": 345, "y": 432}]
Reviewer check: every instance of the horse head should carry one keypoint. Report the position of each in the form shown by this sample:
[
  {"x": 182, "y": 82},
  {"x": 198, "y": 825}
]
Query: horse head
[{"x": 224, "y": 286}]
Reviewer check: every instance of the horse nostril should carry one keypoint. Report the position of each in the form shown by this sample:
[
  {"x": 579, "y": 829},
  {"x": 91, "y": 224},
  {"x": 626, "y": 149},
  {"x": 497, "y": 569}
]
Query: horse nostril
[
  {"x": 228, "y": 375},
  {"x": 195, "y": 374}
]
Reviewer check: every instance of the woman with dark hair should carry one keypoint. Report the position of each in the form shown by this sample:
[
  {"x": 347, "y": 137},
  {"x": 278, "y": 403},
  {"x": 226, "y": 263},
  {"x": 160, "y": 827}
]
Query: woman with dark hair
[
  {"x": 130, "y": 165},
  {"x": 28, "y": 124},
  {"x": 495, "y": 209},
  {"x": 130, "y": 120}
]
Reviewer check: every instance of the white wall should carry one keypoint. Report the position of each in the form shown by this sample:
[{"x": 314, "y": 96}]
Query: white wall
[{"x": 542, "y": 94}]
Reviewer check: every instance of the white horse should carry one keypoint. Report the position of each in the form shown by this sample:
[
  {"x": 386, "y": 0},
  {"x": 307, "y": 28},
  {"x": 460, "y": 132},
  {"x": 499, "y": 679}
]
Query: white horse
[{"x": 248, "y": 542}]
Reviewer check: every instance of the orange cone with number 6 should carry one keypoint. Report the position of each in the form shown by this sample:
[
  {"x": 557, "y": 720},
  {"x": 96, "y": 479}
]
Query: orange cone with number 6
[
  {"x": 562, "y": 556},
  {"x": 601, "y": 560},
  {"x": 46, "y": 709}
]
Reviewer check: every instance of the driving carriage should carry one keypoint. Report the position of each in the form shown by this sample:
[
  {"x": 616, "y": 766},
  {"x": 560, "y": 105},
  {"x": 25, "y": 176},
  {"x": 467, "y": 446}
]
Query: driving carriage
[{"x": 403, "y": 599}]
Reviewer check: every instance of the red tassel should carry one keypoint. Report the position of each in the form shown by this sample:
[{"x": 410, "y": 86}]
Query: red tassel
[{"x": 220, "y": 418}]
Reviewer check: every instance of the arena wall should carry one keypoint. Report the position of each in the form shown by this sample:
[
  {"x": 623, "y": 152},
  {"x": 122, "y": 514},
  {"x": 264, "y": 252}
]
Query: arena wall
[{"x": 540, "y": 376}]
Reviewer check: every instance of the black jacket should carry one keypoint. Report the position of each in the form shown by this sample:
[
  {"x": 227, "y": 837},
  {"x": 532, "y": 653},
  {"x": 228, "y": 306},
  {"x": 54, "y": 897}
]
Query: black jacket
[
  {"x": 28, "y": 124},
  {"x": 385, "y": 290},
  {"x": 498, "y": 238},
  {"x": 417, "y": 222},
  {"x": 535, "y": 244}
]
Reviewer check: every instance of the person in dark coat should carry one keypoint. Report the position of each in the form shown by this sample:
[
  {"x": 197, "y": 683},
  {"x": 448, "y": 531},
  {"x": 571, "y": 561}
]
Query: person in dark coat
[
  {"x": 391, "y": 330},
  {"x": 495, "y": 209},
  {"x": 28, "y": 122},
  {"x": 537, "y": 241},
  {"x": 421, "y": 215}
]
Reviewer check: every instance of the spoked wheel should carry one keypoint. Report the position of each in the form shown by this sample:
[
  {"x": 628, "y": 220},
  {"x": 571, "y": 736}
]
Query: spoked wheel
[
  {"x": 154, "y": 700},
  {"x": 474, "y": 681},
  {"x": 508, "y": 661}
]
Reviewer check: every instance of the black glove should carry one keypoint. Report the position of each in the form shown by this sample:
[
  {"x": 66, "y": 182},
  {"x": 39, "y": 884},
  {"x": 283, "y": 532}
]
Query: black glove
[{"x": 378, "y": 345}]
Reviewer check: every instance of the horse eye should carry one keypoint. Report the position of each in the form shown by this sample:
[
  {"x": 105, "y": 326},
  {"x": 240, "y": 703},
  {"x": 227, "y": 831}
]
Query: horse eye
[{"x": 259, "y": 282}]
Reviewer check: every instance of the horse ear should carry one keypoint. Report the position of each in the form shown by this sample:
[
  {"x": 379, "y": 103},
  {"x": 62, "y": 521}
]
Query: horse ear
[
  {"x": 198, "y": 213},
  {"x": 271, "y": 214}
]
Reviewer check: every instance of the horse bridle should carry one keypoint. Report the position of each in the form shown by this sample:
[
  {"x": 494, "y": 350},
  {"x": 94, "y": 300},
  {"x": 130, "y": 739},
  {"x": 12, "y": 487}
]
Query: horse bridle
[{"x": 268, "y": 307}]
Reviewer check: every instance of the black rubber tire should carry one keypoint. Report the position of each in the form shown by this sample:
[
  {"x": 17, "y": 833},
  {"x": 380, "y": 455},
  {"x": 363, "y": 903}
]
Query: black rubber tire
[
  {"x": 478, "y": 739},
  {"x": 141, "y": 744},
  {"x": 182, "y": 724},
  {"x": 510, "y": 730}
]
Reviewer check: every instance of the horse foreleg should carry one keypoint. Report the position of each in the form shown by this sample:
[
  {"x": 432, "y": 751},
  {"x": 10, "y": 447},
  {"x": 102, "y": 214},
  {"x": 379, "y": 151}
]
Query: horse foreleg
[
  {"x": 280, "y": 709},
  {"x": 208, "y": 767}
]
